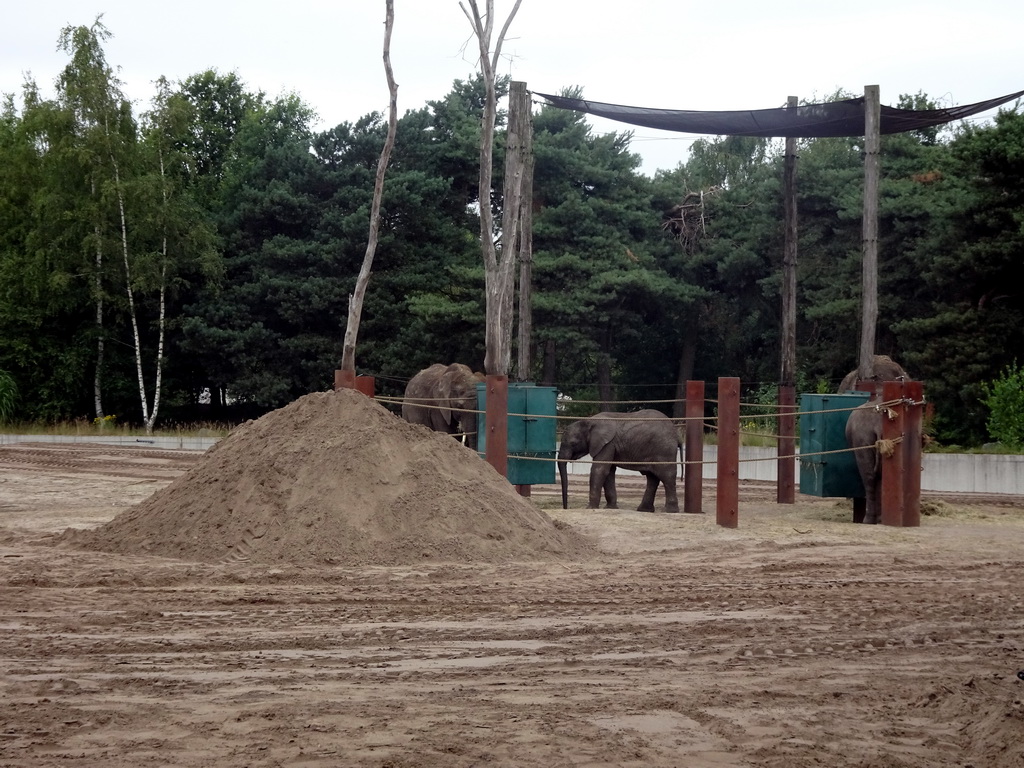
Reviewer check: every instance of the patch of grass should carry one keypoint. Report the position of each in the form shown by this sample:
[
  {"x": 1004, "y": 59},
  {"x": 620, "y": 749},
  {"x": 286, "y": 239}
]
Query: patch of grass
[
  {"x": 940, "y": 508},
  {"x": 110, "y": 428}
]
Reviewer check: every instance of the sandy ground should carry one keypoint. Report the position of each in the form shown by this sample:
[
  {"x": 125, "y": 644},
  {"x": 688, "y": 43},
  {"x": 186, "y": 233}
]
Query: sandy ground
[{"x": 797, "y": 639}]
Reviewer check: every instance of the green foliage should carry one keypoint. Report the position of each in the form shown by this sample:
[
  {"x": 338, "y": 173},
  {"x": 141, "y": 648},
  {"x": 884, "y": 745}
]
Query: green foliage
[
  {"x": 8, "y": 396},
  {"x": 1004, "y": 398}
]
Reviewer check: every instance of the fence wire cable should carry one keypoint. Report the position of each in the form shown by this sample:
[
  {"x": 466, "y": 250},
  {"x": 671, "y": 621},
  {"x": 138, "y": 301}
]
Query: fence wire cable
[{"x": 886, "y": 447}]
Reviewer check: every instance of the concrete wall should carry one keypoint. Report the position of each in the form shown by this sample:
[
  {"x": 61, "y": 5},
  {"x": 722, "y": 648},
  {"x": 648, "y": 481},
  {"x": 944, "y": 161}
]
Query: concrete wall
[{"x": 954, "y": 472}]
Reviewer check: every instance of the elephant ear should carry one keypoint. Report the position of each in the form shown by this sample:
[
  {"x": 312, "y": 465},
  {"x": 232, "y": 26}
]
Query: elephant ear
[{"x": 602, "y": 433}]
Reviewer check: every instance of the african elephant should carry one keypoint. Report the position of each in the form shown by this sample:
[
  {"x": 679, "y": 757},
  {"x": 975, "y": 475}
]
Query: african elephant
[
  {"x": 647, "y": 437},
  {"x": 444, "y": 398}
]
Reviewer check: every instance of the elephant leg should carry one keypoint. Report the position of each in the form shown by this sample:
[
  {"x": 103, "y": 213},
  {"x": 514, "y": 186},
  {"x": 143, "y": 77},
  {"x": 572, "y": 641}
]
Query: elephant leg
[
  {"x": 599, "y": 474},
  {"x": 859, "y": 509},
  {"x": 671, "y": 499},
  {"x": 647, "y": 503},
  {"x": 868, "y": 512},
  {"x": 873, "y": 501},
  {"x": 611, "y": 495}
]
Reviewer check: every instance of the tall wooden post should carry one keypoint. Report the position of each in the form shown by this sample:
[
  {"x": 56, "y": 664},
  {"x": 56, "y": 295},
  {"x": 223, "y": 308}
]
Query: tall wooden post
[
  {"x": 786, "y": 470},
  {"x": 497, "y": 423},
  {"x": 892, "y": 465},
  {"x": 787, "y": 375},
  {"x": 913, "y": 391},
  {"x": 693, "y": 467},
  {"x": 728, "y": 487},
  {"x": 520, "y": 111},
  {"x": 869, "y": 265},
  {"x": 785, "y": 492}
]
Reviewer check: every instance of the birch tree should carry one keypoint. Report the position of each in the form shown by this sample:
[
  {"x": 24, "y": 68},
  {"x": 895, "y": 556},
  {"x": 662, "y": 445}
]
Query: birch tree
[
  {"x": 499, "y": 266},
  {"x": 355, "y": 306},
  {"x": 90, "y": 90},
  {"x": 174, "y": 239}
]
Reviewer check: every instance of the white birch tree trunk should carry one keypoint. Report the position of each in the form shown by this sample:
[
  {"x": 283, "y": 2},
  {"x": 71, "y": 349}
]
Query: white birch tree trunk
[
  {"x": 131, "y": 296},
  {"x": 97, "y": 382}
]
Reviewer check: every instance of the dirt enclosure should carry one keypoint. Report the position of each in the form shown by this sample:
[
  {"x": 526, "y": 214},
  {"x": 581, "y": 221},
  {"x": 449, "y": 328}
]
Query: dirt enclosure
[{"x": 205, "y": 612}]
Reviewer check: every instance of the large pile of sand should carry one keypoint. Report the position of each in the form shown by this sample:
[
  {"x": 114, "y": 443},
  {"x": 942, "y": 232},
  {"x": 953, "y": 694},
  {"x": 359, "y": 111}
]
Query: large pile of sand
[{"x": 336, "y": 478}]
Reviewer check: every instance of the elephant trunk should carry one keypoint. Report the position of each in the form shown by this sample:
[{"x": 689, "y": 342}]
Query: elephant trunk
[{"x": 468, "y": 426}]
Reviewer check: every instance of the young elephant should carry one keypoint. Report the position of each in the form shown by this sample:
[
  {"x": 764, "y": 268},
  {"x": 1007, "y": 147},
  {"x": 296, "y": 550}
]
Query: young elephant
[
  {"x": 443, "y": 397},
  {"x": 648, "y": 438}
]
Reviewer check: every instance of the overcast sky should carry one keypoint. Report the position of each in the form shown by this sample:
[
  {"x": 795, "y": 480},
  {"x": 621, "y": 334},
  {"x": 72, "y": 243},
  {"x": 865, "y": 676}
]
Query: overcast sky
[{"x": 670, "y": 54}]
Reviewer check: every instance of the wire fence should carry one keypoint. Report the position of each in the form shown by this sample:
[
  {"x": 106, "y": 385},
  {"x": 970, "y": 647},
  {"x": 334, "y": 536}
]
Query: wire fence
[{"x": 708, "y": 424}]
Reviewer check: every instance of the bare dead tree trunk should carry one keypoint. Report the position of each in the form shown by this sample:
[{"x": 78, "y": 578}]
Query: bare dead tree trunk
[
  {"x": 498, "y": 283},
  {"x": 355, "y": 301}
]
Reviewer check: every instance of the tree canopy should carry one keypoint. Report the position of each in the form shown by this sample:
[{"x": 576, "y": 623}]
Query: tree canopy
[{"x": 214, "y": 237}]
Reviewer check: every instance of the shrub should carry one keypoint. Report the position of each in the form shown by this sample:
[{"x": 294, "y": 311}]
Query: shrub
[
  {"x": 8, "y": 396},
  {"x": 1005, "y": 401}
]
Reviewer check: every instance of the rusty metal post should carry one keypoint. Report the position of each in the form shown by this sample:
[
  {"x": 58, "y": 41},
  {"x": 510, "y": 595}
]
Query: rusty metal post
[
  {"x": 497, "y": 423},
  {"x": 693, "y": 448},
  {"x": 348, "y": 380},
  {"x": 367, "y": 385},
  {"x": 728, "y": 488},
  {"x": 914, "y": 392},
  {"x": 344, "y": 379},
  {"x": 786, "y": 484},
  {"x": 892, "y": 466}
]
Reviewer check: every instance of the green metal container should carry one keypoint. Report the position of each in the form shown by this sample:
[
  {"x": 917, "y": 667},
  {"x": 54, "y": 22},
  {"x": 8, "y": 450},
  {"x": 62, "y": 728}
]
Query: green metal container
[
  {"x": 831, "y": 474},
  {"x": 531, "y": 431}
]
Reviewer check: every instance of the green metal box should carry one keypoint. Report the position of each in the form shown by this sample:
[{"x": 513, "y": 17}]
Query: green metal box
[
  {"x": 531, "y": 431},
  {"x": 831, "y": 474}
]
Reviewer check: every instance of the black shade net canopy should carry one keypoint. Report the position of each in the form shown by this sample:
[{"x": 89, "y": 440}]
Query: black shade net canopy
[{"x": 835, "y": 118}]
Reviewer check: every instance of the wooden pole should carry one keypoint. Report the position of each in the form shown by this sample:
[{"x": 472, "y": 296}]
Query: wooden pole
[
  {"x": 914, "y": 392},
  {"x": 869, "y": 265},
  {"x": 728, "y": 486},
  {"x": 693, "y": 468},
  {"x": 519, "y": 98},
  {"x": 892, "y": 465},
  {"x": 787, "y": 376},
  {"x": 786, "y": 486},
  {"x": 497, "y": 423}
]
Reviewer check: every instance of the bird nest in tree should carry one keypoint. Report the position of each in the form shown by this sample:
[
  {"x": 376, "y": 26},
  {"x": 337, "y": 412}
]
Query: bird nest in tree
[{"x": 686, "y": 220}]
